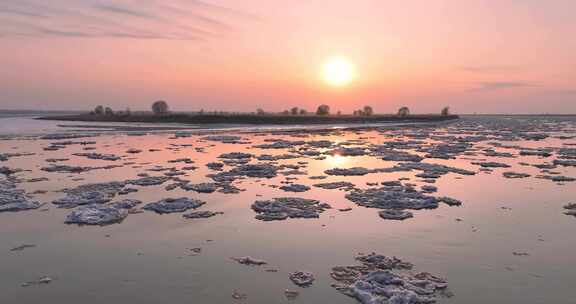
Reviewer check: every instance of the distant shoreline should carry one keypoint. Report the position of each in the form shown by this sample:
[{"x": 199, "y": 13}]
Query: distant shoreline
[{"x": 254, "y": 119}]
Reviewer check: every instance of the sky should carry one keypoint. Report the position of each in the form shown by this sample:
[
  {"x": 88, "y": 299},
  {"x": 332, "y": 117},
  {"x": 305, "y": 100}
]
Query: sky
[{"x": 476, "y": 56}]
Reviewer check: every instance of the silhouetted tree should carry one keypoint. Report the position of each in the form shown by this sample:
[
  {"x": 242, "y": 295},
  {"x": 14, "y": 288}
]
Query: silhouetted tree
[
  {"x": 294, "y": 111},
  {"x": 160, "y": 107},
  {"x": 303, "y": 112},
  {"x": 368, "y": 111},
  {"x": 445, "y": 111},
  {"x": 323, "y": 110},
  {"x": 259, "y": 111},
  {"x": 108, "y": 111},
  {"x": 403, "y": 111},
  {"x": 99, "y": 110}
]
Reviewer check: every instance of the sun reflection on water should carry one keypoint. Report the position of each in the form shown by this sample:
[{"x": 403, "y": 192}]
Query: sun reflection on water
[{"x": 336, "y": 160}]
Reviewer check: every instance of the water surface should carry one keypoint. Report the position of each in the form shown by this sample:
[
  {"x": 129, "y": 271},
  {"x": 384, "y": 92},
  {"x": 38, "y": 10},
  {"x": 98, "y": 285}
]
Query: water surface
[{"x": 146, "y": 258}]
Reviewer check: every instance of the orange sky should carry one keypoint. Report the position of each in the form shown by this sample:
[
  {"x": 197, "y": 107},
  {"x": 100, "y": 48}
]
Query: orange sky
[{"x": 476, "y": 56}]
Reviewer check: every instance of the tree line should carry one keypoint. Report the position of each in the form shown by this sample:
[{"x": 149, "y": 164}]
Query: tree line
[{"x": 161, "y": 108}]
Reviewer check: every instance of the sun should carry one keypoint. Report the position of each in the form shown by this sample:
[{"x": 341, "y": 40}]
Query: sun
[{"x": 338, "y": 71}]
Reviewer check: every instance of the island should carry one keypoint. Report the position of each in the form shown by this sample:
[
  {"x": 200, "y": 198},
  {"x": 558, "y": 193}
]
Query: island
[{"x": 294, "y": 116}]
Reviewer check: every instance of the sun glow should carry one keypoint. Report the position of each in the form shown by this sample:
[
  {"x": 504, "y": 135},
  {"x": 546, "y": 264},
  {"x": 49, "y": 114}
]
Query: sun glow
[{"x": 338, "y": 71}]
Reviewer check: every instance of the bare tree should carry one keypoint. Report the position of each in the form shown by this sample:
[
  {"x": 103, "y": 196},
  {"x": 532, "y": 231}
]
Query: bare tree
[
  {"x": 323, "y": 110},
  {"x": 403, "y": 112},
  {"x": 445, "y": 111},
  {"x": 160, "y": 107},
  {"x": 368, "y": 111},
  {"x": 99, "y": 110}
]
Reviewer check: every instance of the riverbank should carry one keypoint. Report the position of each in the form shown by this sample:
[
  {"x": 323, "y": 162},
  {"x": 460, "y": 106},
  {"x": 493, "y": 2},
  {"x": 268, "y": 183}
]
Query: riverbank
[{"x": 185, "y": 118}]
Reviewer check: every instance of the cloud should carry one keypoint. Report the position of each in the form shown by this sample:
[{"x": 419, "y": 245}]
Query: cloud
[
  {"x": 126, "y": 19},
  {"x": 490, "y": 68},
  {"x": 23, "y": 29},
  {"x": 17, "y": 12},
  {"x": 501, "y": 85},
  {"x": 223, "y": 9},
  {"x": 63, "y": 33},
  {"x": 568, "y": 92},
  {"x": 124, "y": 11}
]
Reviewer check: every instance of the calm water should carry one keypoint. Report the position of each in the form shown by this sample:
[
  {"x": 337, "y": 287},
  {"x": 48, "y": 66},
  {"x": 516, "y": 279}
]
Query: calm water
[
  {"x": 25, "y": 124},
  {"x": 146, "y": 258}
]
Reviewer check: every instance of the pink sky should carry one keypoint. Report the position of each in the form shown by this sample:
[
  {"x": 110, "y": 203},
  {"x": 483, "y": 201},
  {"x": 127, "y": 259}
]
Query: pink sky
[{"x": 505, "y": 56}]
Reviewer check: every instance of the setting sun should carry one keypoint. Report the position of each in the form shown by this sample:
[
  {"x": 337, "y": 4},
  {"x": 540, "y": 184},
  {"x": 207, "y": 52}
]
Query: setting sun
[{"x": 338, "y": 71}]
